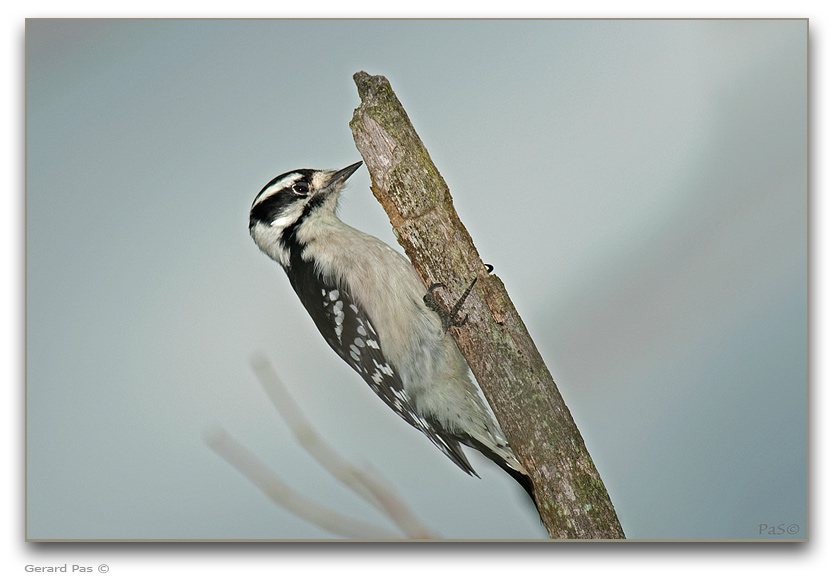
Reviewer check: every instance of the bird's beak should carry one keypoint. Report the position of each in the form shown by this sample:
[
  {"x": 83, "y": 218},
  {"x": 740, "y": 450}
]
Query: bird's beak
[{"x": 341, "y": 176}]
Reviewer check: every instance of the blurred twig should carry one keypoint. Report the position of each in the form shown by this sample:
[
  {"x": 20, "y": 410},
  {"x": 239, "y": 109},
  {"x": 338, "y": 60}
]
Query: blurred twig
[
  {"x": 365, "y": 483},
  {"x": 372, "y": 489},
  {"x": 283, "y": 495}
]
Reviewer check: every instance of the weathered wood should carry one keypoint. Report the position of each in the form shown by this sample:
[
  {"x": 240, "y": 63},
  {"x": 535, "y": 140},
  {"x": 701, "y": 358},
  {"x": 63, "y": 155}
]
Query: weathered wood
[{"x": 571, "y": 497}]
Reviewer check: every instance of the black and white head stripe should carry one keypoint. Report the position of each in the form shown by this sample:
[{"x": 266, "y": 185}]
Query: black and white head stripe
[
  {"x": 280, "y": 195},
  {"x": 281, "y": 201}
]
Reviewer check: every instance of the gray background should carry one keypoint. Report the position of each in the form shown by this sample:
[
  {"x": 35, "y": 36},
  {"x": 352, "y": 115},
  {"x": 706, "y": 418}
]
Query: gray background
[{"x": 640, "y": 187}]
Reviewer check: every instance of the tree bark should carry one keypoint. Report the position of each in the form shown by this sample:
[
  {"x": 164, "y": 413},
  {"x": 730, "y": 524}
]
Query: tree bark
[{"x": 571, "y": 497}]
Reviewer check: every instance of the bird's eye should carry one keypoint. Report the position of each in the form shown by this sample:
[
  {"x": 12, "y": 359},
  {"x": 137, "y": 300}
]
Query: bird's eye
[{"x": 301, "y": 188}]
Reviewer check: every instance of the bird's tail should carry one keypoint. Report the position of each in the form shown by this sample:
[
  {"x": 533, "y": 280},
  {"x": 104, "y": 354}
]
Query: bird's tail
[{"x": 503, "y": 457}]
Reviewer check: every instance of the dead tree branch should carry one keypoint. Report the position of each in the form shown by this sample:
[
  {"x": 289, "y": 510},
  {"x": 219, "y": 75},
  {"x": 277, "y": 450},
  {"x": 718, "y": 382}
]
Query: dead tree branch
[{"x": 572, "y": 499}]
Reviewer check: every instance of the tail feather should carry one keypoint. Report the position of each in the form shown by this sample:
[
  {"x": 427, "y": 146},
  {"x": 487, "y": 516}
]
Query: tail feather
[
  {"x": 490, "y": 453},
  {"x": 495, "y": 450}
]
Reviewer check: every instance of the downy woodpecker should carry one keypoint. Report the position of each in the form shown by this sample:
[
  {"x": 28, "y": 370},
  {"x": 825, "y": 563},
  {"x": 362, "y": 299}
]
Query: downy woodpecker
[{"x": 368, "y": 303}]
